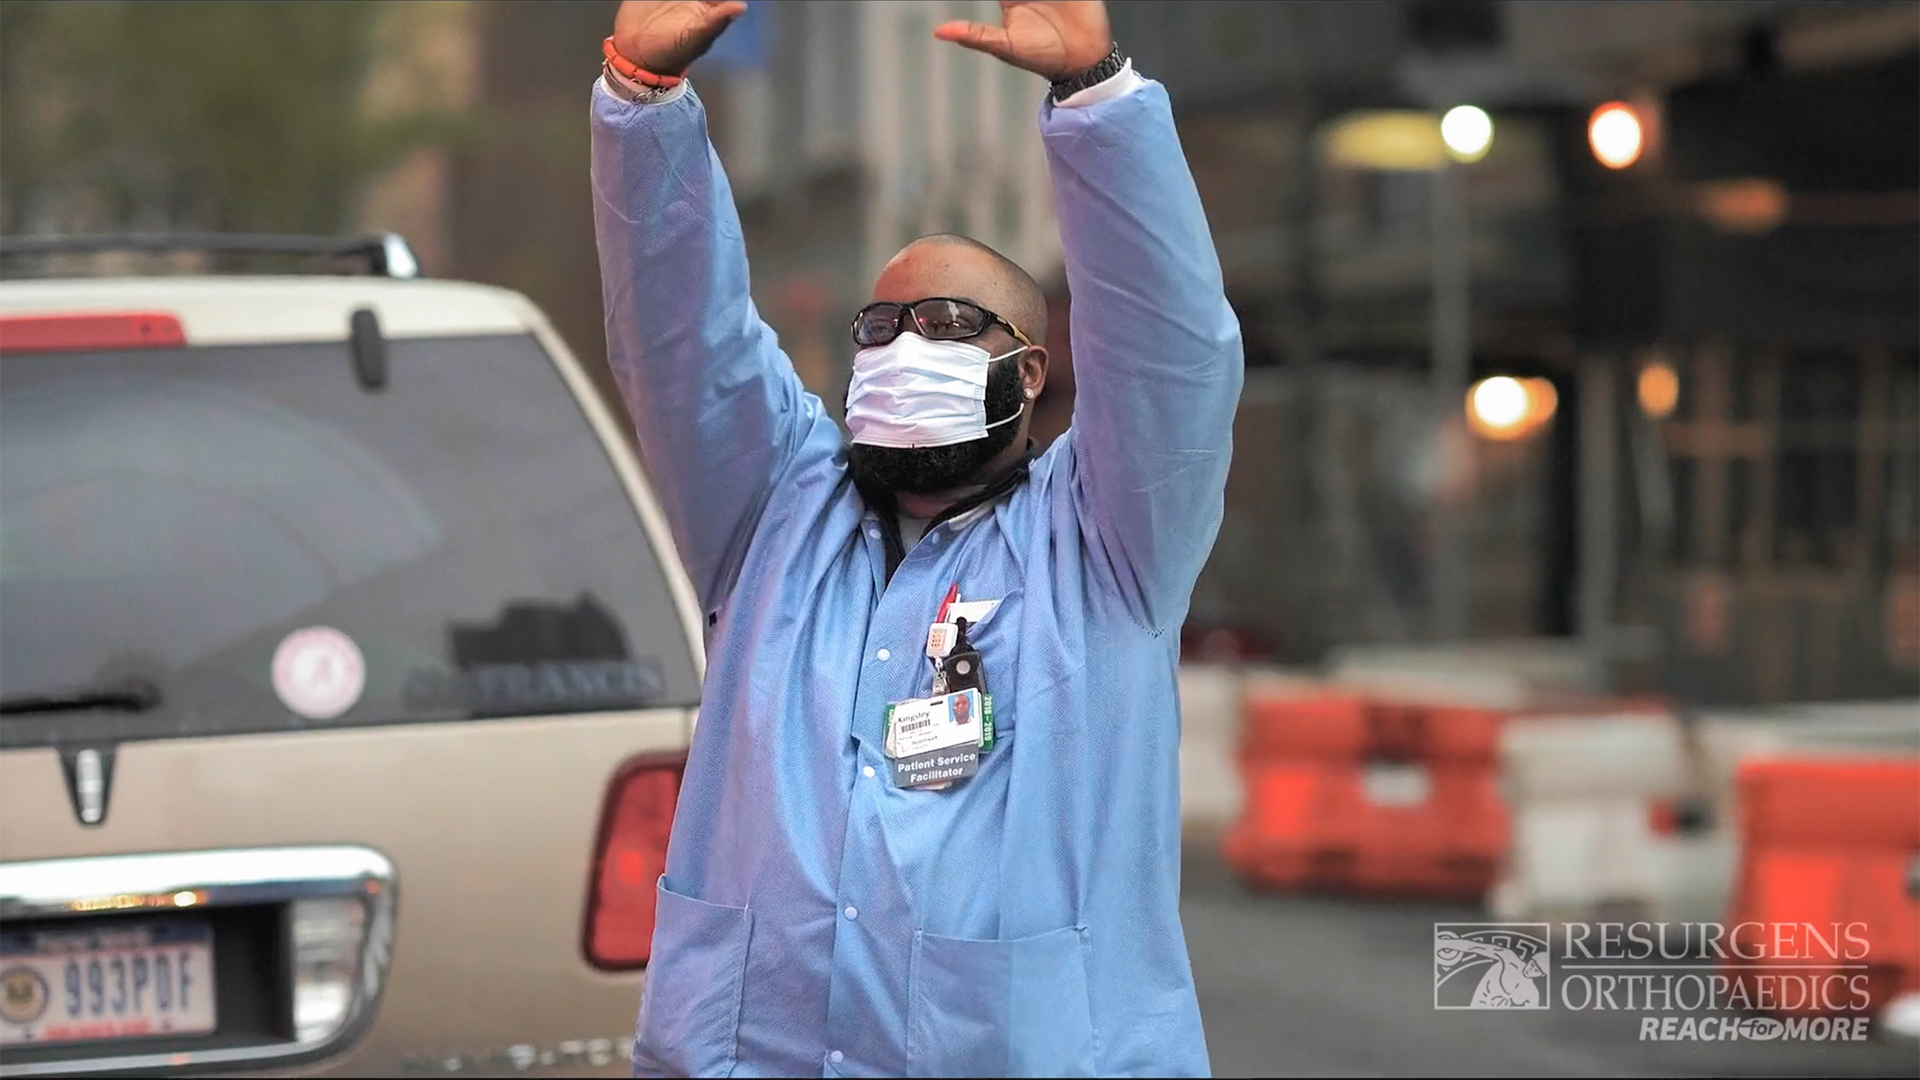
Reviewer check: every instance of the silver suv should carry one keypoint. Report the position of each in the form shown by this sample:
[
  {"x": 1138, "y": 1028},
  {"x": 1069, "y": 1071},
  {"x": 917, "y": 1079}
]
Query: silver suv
[{"x": 346, "y": 681}]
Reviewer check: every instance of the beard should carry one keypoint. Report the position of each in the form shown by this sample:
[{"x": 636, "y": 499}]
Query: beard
[{"x": 923, "y": 470}]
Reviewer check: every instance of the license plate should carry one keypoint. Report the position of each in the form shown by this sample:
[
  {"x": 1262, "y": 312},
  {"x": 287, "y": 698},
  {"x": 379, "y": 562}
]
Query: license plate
[
  {"x": 127, "y": 981},
  {"x": 1396, "y": 785}
]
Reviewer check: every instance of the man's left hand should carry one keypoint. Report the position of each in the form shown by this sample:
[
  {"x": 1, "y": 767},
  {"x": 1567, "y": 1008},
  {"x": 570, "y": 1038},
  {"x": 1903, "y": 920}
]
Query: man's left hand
[{"x": 1055, "y": 38}]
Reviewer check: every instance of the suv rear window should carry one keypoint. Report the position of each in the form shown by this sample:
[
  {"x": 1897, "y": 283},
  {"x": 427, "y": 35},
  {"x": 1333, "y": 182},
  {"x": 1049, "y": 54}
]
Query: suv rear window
[{"x": 173, "y": 516}]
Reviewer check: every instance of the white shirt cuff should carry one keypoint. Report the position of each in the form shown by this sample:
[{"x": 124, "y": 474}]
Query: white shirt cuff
[
  {"x": 679, "y": 90},
  {"x": 1122, "y": 83}
]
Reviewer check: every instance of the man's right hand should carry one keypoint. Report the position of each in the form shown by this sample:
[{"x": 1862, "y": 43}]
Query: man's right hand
[{"x": 664, "y": 36}]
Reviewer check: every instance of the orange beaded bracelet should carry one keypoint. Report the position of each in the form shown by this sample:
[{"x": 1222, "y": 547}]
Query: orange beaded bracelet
[{"x": 627, "y": 69}]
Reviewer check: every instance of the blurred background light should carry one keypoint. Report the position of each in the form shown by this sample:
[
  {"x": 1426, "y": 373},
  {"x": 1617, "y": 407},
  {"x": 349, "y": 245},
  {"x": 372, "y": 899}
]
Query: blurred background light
[
  {"x": 1747, "y": 206},
  {"x": 1616, "y": 135},
  {"x": 1659, "y": 389},
  {"x": 1504, "y": 408},
  {"x": 1498, "y": 404},
  {"x": 1392, "y": 140},
  {"x": 1468, "y": 132}
]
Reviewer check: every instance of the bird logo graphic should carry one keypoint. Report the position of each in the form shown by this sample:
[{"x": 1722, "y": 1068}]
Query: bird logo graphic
[{"x": 1507, "y": 966}]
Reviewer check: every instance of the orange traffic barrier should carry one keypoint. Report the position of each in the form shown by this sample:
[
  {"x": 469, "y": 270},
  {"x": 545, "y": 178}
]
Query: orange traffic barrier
[
  {"x": 1323, "y": 726},
  {"x": 1379, "y": 798},
  {"x": 1823, "y": 917}
]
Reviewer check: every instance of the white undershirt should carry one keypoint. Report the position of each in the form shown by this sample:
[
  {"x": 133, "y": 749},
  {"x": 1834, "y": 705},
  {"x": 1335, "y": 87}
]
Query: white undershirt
[{"x": 911, "y": 530}]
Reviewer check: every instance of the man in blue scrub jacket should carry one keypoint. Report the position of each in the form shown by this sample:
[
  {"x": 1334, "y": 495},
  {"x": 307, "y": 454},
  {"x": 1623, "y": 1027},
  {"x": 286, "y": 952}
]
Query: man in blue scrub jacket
[{"x": 848, "y": 891}]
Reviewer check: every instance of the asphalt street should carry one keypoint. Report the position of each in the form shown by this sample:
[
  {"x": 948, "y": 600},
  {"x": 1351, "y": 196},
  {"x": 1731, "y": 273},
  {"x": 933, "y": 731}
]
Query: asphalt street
[{"x": 1315, "y": 986}]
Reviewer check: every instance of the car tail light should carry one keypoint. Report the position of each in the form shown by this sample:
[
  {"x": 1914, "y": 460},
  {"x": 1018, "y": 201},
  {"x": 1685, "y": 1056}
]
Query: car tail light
[
  {"x": 628, "y": 861},
  {"x": 90, "y": 331}
]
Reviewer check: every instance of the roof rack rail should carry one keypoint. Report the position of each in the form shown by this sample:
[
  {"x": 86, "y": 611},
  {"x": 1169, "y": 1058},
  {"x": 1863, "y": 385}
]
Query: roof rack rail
[{"x": 386, "y": 254}]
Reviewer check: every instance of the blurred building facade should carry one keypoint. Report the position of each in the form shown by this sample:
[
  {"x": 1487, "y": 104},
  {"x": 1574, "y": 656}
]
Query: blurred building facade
[
  {"x": 1757, "y": 544},
  {"x": 1769, "y": 255}
]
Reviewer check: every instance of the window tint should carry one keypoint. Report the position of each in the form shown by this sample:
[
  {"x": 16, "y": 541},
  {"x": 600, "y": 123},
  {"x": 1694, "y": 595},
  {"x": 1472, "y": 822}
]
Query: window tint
[{"x": 175, "y": 515}]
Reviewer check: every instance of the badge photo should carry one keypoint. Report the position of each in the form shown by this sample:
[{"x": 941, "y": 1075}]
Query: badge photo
[{"x": 924, "y": 725}]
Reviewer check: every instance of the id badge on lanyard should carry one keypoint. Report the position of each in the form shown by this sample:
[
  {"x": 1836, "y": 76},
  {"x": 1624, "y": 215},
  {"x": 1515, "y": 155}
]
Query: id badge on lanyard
[{"x": 936, "y": 741}]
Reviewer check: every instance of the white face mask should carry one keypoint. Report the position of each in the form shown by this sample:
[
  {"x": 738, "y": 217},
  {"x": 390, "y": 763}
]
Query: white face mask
[{"x": 914, "y": 392}]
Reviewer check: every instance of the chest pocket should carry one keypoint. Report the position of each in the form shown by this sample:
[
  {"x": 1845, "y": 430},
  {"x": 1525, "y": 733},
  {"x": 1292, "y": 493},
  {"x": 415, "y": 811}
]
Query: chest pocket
[
  {"x": 997, "y": 639},
  {"x": 1026, "y": 652}
]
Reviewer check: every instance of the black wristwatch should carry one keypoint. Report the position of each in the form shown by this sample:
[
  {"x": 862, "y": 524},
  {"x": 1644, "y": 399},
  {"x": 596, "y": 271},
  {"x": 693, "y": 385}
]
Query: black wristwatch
[{"x": 1069, "y": 85}]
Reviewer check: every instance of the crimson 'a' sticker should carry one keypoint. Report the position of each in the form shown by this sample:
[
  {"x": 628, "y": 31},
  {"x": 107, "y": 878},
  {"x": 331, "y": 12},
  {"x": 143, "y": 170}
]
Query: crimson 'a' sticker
[{"x": 318, "y": 672}]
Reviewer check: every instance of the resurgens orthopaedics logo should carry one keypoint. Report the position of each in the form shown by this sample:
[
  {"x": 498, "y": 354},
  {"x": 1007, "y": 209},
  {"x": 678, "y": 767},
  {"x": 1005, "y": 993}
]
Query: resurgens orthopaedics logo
[{"x": 1815, "y": 972}]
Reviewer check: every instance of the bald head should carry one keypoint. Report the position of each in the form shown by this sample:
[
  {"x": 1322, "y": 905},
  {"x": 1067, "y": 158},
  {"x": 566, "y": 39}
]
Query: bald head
[{"x": 947, "y": 264}]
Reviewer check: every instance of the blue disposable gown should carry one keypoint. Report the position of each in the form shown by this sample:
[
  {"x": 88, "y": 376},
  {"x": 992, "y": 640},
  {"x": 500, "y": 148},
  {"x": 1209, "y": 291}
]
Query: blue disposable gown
[{"x": 814, "y": 918}]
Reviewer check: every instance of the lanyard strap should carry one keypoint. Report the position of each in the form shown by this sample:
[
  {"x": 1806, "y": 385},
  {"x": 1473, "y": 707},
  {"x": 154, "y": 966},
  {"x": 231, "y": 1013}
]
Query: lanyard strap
[{"x": 886, "y": 507}]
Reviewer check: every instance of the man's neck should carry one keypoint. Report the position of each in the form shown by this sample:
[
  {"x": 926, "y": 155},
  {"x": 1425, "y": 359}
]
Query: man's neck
[{"x": 932, "y": 504}]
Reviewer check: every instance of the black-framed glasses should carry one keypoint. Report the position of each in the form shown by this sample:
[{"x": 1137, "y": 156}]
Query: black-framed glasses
[{"x": 937, "y": 318}]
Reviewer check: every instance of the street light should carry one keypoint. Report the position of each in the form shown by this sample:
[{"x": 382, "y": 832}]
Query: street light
[
  {"x": 1468, "y": 132},
  {"x": 1659, "y": 389},
  {"x": 1499, "y": 403},
  {"x": 1504, "y": 408},
  {"x": 1405, "y": 141},
  {"x": 1616, "y": 135}
]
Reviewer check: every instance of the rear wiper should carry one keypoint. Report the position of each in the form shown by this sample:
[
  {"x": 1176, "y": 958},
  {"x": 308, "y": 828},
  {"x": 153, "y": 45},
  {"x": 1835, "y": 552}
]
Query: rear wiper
[{"x": 131, "y": 695}]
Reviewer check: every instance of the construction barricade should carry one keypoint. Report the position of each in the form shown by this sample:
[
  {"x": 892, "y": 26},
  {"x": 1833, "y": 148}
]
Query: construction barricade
[
  {"x": 1725, "y": 740},
  {"x": 1351, "y": 794},
  {"x": 1825, "y": 919},
  {"x": 1210, "y": 696},
  {"x": 1593, "y": 795},
  {"x": 1209, "y": 725},
  {"x": 1729, "y": 738}
]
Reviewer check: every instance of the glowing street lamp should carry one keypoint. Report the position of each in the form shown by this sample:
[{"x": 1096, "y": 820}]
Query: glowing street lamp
[
  {"x": 1504, "y": 408},
  {"x": 1468, "y": 132},
  {"x": 1659, "y": 389},
  {"x": 1615, "y": 133},
  {"x": 1499, "y": 403},
  {"x": 1406, "y": 141}
]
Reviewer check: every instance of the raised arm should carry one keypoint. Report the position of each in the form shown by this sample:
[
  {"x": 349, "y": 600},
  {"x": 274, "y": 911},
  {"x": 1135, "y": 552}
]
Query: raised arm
[
  {"x": 720, "y": 413},
  {"x": 1156, "y": 350}
]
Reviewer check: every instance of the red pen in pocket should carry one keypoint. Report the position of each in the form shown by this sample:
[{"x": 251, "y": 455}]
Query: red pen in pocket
[{"x": 953, "y": 593}]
